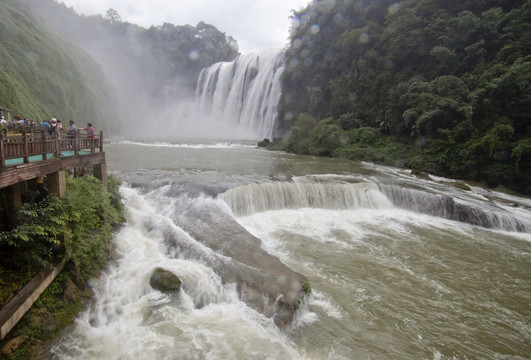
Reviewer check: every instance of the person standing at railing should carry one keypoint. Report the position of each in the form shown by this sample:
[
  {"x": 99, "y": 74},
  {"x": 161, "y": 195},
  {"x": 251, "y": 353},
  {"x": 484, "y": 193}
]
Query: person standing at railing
[
  {"x": 59, "y": 128},
  {"x": 45, "y": 125},
  {"x": 73, "y": 129},
  {"x": 53, "y": 127},
  {"x": 90, "y": 131}
]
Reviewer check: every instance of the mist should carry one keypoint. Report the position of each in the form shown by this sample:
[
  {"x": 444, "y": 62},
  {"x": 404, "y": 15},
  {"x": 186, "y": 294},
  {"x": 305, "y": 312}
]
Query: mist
[{"x": 151, "y": 73}]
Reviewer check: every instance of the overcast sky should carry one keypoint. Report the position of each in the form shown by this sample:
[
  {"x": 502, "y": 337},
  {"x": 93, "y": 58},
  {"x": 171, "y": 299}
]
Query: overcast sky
[{"x": 255, "y": 24}]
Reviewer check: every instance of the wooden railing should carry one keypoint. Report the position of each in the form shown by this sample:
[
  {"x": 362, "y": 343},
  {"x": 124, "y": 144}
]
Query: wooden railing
[{"x": 13, "y": 146}]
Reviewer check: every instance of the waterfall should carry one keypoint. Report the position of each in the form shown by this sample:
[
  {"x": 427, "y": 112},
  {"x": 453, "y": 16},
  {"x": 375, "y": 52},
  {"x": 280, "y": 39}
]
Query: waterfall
[
  {"x": 447, "y": 207},
  {"x": 248, "y": 199},
  {"x": 243, "y": 93}
]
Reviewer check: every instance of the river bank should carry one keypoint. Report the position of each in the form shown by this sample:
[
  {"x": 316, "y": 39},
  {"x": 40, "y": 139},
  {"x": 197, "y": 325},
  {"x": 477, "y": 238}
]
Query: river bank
[{"x": 91, "y": 213}]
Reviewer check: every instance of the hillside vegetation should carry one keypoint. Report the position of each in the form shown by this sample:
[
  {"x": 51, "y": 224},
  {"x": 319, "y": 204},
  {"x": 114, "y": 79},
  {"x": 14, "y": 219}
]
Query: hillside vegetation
[
  {"x": 149, "y": 69},
  {"x": 43, "y": 75},
  {"x": 439, "y": 86}
]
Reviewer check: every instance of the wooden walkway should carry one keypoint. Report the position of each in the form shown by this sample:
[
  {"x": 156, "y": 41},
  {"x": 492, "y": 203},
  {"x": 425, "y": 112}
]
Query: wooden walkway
[
  {"x": 27, "y": 156},
  {"x": 30, "y": 155},
  {"x": 33, "y": 144}
]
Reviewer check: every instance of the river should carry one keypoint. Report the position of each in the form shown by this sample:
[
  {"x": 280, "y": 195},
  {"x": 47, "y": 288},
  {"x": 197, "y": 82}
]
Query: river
[{"x": 400, "y": 267}]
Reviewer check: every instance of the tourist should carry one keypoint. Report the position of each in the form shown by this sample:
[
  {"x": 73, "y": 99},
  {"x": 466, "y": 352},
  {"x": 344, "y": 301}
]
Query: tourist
[
  {"x": 73, "y": 129},
  {"x": 45, "y": 125},
  {"x": 53, "y": 127},
  {"x": 3, "y": 120},
  {"x": 90, "y": 131},
  {"x": 59, "y": 127}
]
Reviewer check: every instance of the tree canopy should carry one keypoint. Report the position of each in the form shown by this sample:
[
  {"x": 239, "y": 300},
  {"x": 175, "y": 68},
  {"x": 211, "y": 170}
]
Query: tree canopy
[{"x": 441, "y": 86}]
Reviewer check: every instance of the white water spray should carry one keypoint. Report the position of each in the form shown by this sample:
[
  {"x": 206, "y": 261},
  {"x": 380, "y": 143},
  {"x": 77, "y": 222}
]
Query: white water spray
[{"x": 128, "y": 319}]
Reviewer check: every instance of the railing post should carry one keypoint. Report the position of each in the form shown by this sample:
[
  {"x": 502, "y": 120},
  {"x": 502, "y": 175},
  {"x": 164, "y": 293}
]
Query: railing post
[
  {"x": 44, "y": 145},
  {"x": 57, "y": 145},
  {"x": 2, "y": 152},
  {"x": 101, "y": 141},
  {"x": 26, "y": 148},
  {"x": 76, "y": 143}
]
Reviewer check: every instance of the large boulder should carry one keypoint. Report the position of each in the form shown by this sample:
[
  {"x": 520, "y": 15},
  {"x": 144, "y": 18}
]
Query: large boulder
[
  {"x": 263, "y": 281},
  {"x": 165, "y": 281}
]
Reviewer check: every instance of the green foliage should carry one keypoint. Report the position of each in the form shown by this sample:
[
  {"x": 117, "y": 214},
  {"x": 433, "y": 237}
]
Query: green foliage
[
  {"x": 85, "y": 216},
  {"x": 462, "y": 185},
  {"x": 48, "y": 297},
  {"x": 307, "y": 288},
  {"x": 90, "y": 222},
  {"x": 37, "y": 227},
  {"x": 439, "y": 86}
]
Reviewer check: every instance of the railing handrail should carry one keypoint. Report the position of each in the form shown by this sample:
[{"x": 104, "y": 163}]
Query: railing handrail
[{"x": 24, "y": 145}]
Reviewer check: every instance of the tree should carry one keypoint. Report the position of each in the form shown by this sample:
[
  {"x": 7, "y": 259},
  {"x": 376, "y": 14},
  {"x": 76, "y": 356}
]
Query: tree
[{"x": 112, "y": 16}]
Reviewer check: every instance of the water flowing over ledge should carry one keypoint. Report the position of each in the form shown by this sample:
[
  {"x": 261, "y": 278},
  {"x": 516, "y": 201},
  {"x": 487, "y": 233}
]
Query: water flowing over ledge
[
  {"x": 252, "y": 198},
  {"x": 243, "y": 93}
]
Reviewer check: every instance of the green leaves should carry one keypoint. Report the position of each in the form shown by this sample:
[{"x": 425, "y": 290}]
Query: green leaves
[
  {"x": 84, "y": 218},
  {"x": 450, "y": 79}
]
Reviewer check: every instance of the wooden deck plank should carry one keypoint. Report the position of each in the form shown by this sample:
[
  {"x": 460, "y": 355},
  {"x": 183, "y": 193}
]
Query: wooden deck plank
[
  {"x": 17, "y": 307},
  {"x": 13, "y": 174}
]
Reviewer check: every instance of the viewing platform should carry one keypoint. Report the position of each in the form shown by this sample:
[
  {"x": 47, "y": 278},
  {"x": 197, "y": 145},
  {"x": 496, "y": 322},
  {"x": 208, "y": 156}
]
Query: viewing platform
[{"x": 36, "y": 154}]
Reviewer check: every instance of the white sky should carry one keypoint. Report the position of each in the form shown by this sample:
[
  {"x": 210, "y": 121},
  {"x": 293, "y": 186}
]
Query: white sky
[{"x": 255, "y": 24}]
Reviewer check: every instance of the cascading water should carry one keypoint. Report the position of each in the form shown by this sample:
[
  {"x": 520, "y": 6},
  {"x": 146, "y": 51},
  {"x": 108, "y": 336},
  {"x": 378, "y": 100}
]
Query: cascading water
[
  {"x": 248, "y": 199},
  {"x": 393, "y": 276},
  {"x": 243, "y": 93}
]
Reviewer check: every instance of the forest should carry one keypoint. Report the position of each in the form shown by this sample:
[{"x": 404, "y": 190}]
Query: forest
[{"x": 437, "y": 86}]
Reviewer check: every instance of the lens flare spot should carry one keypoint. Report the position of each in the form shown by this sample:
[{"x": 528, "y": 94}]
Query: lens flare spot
[
  {"x": 315, "y": 28},
  {"x": 193, "y": 55},
  {"x": 297, "y": 43},
  {"x": 364, "y": 37},
  {"x": 389, "y": 64},
  {"x": 421, "y": 141},
  {"x": 288, "y": 115},
  {"x": 338, "y": 18},
  {"x": 358, "y": 6},
  {"x": 295, "y": 23},
  {"x": 294, "y": 62},
  {"x": 393, "y": 8}
]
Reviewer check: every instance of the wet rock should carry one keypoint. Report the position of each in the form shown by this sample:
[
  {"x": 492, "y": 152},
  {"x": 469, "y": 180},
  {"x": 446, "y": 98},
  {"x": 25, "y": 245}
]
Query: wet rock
[
  {"x": 264, "y": 143},
  {"x": 164, "y": 280},
  {"x": 70, "y": 290},
  {"x": 13, "y": 344},
  {"x": 263, "y": 281}
]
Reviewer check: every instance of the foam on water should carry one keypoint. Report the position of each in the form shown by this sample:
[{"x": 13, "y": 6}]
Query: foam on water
[
  {"x": 184, "y": 144},
  {"x": 130, "y": 320},
  {"x": 388, "y": 282}
]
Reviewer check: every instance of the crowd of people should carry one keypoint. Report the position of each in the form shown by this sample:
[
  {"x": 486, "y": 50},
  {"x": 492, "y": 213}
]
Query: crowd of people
[{"x": 52, "y": 127}]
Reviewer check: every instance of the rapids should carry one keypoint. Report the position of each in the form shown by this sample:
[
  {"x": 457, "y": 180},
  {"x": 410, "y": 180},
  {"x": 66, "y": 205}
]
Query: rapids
[{"x": 400, "y": 267}]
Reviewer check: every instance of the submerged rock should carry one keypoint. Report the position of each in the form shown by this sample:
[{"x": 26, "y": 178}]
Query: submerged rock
[{"x": 164, "y": 280}]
